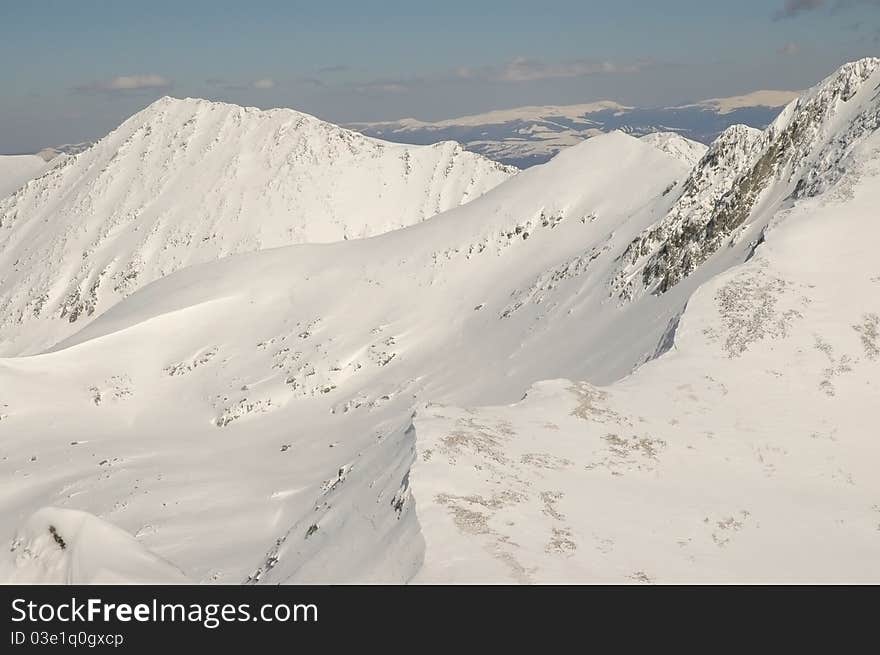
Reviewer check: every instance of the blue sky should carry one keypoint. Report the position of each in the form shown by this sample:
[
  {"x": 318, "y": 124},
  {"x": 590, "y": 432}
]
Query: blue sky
[{"x": 71, "y": 71}]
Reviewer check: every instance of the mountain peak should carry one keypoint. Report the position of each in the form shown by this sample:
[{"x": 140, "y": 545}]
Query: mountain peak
[
  {"x": 185, "y": 181},
  {"x": 746, "y": 174},
  {"x": 674, "y": 144},
  {"x": 194, "y": 104}
]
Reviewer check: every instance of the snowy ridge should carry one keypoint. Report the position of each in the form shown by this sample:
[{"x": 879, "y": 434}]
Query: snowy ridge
[
  {"x": 64, "y": 546},
  {"x": 672, "y": 143},
  {"x": 742, "y": 455},
  {"x": 189, "y": 181},
  {"x": 709, "y": 181},
  {"x": 746, "y": 176}
]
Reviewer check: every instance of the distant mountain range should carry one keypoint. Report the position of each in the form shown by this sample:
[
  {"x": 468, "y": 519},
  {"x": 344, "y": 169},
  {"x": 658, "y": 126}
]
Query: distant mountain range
[
  {"x": 15, "y": 170},
  {"x": 526, "y": 136},
  {"x": 66, "y": 149},
  {"x": 530, "y": 135}
]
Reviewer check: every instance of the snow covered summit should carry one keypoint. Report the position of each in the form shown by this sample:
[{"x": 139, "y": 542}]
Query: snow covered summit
[
  {"x": 676, "y": 145},
  {"x": 188, "y": 181},
  {"x": 748, "y": 175}
]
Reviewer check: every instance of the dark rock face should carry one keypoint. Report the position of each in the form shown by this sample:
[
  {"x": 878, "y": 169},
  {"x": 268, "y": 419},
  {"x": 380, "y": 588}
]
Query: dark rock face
[{"x": 803, "y": 153}]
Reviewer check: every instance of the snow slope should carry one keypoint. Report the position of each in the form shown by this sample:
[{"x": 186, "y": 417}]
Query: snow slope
[
  {"x": 747, "y": 176},
  {"x": 15, "y": 170},
  {"x": 251, "y": 419},
  {"x": 64, "y": 545},
  {"x": 672, "y": 143},
  {"x": 744, "y": 453},
  {"x": 269, "y": 438},
  {"x": 189, "y": 181},
  {"x": 747, "y": 453}
]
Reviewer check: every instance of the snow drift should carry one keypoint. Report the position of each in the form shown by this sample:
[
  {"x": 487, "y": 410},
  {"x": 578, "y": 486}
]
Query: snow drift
[{"x": 65, "y": 546}]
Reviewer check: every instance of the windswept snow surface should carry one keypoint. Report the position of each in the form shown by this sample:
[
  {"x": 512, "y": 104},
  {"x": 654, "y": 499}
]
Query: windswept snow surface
[
  {"x": 746, "y": 454},
  {"x": 16, "y": 170},
  {"x": 690, "y": 152},
  {"x": 256, "y": 419},
  {"x": 65, "y": 546},
  {"x": 249, "y": 419},
  {"x": 189, "y": 181}
]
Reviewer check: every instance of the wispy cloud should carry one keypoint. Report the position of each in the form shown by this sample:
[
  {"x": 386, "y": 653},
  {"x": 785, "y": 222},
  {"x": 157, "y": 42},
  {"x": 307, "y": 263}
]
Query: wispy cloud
[
  {"x": 334, "y": 69},
  {"x": 312, "y": 81},
  {"x": 262, "y": 84},
  {"x": 790, "y": 49},
  {"x": 322, "y": 77},
  {"x": 126, "y": 83},
  {"x": 390, "y": 85},
  {"x": 523, "y": 69},
  {"x": 517, "y": 70},
  {"x": 794, "y": 8}
]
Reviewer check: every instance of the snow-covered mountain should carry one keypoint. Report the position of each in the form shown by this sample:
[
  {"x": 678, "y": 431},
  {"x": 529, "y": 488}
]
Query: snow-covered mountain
[
  {"x": 17, "y": 170},
  {"x": 672, "y": 143},
  {"x": 763, "y": 98},
  {"x": 257, "y": 418},
  {"x": 526, "y": 136},
  {"x": 52, "y": 152},
  {"x": 188, "y": 181},
  {"x": 746, "y": 453},
  {"x": 272, "y": 391},
  {"x": 747, "y": 176}
]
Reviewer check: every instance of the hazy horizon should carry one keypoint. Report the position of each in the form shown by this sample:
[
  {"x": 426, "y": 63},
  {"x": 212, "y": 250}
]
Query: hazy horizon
[{"x": 81, "y": 70}]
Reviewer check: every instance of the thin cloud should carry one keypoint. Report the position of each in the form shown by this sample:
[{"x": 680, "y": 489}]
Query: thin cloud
[
  {"x": 389, "y": 86},
  {"x": 795, "y": 8},
  {"x": 334, "y": 69},
  {"x": 517, "y": 70},
  {"x": 220, "y": 83},
  {"x": 126, "y": 84},
  {"x": 312, "y": 81},
  {"x": 524, "y": 69},
  {"x": 790, "y": 49}
]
